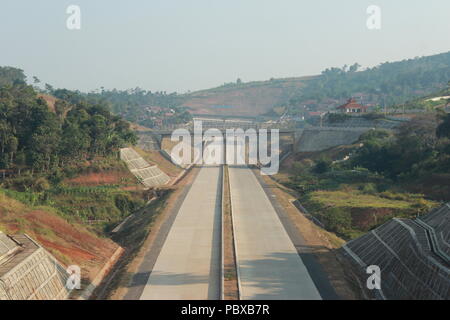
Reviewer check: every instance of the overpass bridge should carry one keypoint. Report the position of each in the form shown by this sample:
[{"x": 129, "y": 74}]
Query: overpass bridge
[{"x": 309, "y": 139}]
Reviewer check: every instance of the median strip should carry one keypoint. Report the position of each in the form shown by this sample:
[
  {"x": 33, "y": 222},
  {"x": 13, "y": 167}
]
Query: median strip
[{"x": 230, "y": 281}]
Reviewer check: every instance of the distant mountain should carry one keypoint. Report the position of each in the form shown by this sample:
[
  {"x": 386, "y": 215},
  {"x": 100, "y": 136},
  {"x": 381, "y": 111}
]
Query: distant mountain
[{"x": 386, "y": 84}]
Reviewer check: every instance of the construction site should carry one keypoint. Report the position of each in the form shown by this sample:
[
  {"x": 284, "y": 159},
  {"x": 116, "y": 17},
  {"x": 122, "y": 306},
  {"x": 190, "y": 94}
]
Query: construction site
[{"x": 412, "y": 254}]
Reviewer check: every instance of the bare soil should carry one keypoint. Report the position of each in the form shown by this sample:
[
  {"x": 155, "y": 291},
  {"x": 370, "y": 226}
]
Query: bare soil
[
  {"x": 70, "y": 242},
  {"x": 101, "y": 178}
]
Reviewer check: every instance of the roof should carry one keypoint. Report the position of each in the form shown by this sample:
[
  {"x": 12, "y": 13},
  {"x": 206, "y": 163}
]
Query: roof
[
  {"x": 7, "y": 245},
  {"x": 352, "y": 104},
  {"x": 27, "y": 247}
]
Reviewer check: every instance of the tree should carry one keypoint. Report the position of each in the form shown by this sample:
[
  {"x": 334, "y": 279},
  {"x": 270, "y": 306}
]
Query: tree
[
  {"x": 9, "y": 76},
  {"x": 443, "y": 130},
  {"x": 49, "y": 88},
  {"x": 61, "y": 106},
  {"x": 45, "y": 144},
  {"x": 322, "y": 165},
  {"x": 31, "y": 135},
  {"x": 74, "y": 142},
  {"x": 354, "y": 67},
  {"x": 13, "y": 144}
]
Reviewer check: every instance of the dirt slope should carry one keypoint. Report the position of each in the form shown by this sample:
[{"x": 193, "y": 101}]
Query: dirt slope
[
  {"x": 248, "y": 99},
  {"x": 69, "y": 242}
]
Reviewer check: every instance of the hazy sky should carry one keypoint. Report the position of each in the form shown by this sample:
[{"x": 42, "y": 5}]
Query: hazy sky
[{"x": 180, "y": 45}]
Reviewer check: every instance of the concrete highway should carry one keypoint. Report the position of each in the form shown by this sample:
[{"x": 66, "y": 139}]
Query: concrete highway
[
  {"x": 269, "y": 266},
  {"x": 189, "y": 264}
]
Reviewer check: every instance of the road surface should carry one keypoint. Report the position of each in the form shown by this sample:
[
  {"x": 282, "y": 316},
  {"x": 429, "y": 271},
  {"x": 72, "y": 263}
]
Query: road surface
[
  {"x": 188, "y": 266},
  {"x": 269, "y": 266}
]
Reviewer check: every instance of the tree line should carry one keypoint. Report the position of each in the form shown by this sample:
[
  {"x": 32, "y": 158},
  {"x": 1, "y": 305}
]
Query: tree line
[
  {"x": 419, "y": 148},
  {"x": 131, "y": 104},
  {"x": 32, "y": 136},
  {"x": 390, "y": 83}
]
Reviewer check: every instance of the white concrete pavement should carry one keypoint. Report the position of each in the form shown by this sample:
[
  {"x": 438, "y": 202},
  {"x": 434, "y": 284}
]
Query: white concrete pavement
[
  {"x": 269, "y": 266},
  {"x": 189, "y": 264}
]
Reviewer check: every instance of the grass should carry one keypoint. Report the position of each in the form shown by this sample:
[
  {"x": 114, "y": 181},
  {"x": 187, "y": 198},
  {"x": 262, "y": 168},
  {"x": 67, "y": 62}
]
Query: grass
[
  {"x": 348, "y": 196},
  {"x": 102, "y": 206},
  {"x": 356, "y": 199},
  {"x": 350, "y": 212},
  {"x": 350, "y": 202}
]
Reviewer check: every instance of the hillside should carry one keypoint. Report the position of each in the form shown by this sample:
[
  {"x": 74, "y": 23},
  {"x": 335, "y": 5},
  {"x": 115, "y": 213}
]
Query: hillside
[
  {"x": 430, "y": 102},
  {"x": 61, "y": 181},
  {"x": 352, "y": 189},
  {"x": 70, "y": 242},
  {"x": 245, "y": 99},
  {"x": 387, "y": 84}
]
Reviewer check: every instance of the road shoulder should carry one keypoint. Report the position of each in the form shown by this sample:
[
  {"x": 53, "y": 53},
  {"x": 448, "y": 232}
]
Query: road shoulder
[{"x": 315, "y": 246}]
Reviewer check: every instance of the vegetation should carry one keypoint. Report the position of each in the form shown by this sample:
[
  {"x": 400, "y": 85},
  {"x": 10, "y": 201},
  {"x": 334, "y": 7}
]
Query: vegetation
[
  {"x": 419, "y": 148},
  {"x": 392, "y": 82},
  {"x": 69, "y": 241},
  {"x": 427, "y": 103},
  {"x": 349, "y": 212},
  {"x": 135, "y": 105},
  {"x": 31, "y": 136},
  {"x": 386, "y": 174},
  {"x": 10, "y": 76},
  {"x": 42, "y": 148}
]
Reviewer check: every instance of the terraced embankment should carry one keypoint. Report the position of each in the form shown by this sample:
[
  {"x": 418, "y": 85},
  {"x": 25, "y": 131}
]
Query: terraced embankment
[
  {"x": 150, "y": 176},
  {"x": 319, "y": 139}
]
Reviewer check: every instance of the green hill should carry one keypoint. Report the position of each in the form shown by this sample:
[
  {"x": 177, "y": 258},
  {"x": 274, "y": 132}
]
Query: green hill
[{"x": 388, "y": 84}]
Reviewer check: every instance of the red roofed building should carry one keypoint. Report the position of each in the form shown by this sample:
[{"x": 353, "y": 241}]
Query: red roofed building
[{"x": 352, "y": 107}]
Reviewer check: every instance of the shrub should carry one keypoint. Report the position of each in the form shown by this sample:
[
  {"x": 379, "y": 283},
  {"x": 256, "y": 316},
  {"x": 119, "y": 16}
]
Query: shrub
[
  {"x": 338, "y": 220},
  {"x": 41, "y": 184},
  {"x": 369, "y": 188},
  {"x": 338, "y": 117},
  {"x": 322, "y": 165}
]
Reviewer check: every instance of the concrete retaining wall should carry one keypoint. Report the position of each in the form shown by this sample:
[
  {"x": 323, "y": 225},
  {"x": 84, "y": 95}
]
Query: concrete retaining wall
[
  {"x": 149, "y": 176},
  {"x": 319, "y": 139},
  {"x": 31, "y": 273}
]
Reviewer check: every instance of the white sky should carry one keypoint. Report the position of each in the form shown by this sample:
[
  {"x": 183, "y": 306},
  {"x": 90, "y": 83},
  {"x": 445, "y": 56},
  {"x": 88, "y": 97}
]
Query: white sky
[{"x": 180, "y": 45}]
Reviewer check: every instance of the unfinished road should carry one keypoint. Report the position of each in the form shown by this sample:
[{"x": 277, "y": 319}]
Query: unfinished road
[
  {"x": 189, "y": 264},
  {"x": 268, "y": 264}
]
